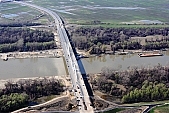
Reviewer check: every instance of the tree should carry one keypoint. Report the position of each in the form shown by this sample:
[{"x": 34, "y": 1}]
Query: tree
[
  {"x": 13, "y": 101},
  {"x": 16, "y": 39},
  {"x": 20, "y": 44}
]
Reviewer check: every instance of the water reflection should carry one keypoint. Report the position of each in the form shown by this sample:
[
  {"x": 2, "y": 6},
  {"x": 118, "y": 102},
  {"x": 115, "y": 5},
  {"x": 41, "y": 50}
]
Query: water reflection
[{"x": 122, "y": 62}]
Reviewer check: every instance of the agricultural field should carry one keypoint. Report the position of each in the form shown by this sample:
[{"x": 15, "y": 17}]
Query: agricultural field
[
  {"x": 14, "y": 13},
  {"x": 110, "y": 11}
]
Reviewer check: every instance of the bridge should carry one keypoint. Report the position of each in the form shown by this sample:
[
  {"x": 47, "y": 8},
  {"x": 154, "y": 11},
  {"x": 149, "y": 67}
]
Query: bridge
[{"x": 80, "y": 91}]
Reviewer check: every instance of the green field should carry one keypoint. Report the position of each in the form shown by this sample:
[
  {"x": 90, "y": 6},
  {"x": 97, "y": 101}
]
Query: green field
[
  {"x": 160, "y": 109},
  {"x": 112, "y": 13},
  {"x": 147, "y": 103},
  {"x": 109, "y": 11},
  {"x": 12, "y": 13}
]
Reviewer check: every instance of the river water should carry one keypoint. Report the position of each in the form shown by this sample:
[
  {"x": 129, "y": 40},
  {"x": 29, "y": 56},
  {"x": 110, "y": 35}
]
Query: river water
[
  {"x": 122, "y": 62},
  {"x": 33, "y": 67},
  {"x": 38, "y": 67}
]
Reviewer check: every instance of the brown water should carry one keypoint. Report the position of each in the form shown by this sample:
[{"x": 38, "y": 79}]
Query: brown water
[
  {"x": 33, "y": 67},
  {"x": 122, "y": 62}
]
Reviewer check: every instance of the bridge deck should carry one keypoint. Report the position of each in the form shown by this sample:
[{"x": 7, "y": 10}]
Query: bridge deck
[{"x": 79, "y": 87}]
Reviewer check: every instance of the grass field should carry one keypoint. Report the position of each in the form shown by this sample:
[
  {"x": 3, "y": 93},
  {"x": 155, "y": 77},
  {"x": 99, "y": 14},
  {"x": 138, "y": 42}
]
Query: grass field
[
  {"x": 111, "y": 25},
  {"x": 147, "y": 103},
  {"x": 12, "y": 13},
  {"x": 109, "y": 11},
  {"x": 160, "y": 109}
]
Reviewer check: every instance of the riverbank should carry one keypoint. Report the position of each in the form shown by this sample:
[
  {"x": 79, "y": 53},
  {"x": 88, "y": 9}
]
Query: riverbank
[
  {"x": 66, "y": 101},
  {"x": 119, "y": 52},
  {"x": 55, "y": 53},
  {"x": 39, "y": 91},
  {"x": 137, "y": 107},
  {"x": 115, "y": 86},
  {"x": 63, "y": 78},
  {"x": 57, "y": 102}
]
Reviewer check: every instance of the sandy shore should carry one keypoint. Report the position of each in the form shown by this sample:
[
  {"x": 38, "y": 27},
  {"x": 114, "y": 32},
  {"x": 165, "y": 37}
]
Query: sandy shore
[
  {"x": 54, "y": 53},
  {"x": 39, "y": 54}
]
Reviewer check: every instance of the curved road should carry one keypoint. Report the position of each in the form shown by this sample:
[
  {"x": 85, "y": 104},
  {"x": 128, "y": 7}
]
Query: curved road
[{"x": 79, "y": 88}]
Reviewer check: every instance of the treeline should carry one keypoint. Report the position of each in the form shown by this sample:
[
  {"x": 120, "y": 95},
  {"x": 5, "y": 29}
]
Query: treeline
[
  {"x": 27, "y": 46},
  {"x": 149, "y": 44},
  {"x": 18, "y": 24},
  {"x": 19, "y": 94},
  {"x": 139, "y": 84},
  {"x": 148, "y": 92},
  {"x": 12, "y": 102},
  {"x": 19, "y": 39},
  {"x": 118, "y": 38},
  {"x": 156, "y": 45},
  {"x": 12, "y": 35}
]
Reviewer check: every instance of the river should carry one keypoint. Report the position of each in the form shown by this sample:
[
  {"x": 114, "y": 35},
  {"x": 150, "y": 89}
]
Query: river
[
  {"x": 122, "y": 62},
  {"x": 39, "y": 67},
  {"x": 33, "y": 67}
]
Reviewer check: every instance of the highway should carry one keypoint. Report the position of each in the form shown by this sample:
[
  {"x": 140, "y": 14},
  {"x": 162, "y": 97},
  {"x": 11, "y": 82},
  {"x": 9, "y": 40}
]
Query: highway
[{"x": 79, "y": 88}]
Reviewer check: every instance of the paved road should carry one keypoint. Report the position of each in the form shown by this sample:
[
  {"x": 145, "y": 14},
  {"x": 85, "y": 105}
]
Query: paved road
[{"x": 79, "y": 87}]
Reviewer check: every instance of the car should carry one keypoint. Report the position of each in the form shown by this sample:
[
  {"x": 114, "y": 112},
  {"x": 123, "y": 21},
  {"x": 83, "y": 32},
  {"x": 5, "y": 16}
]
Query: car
[
  {"x": 85, "y": 107},
  {"x": 79, "y": 105}
]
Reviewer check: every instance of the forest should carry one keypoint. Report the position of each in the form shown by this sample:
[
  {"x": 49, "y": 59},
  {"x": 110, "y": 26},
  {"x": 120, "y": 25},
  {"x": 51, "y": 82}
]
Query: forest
[
  {"x": 18, "y": 95},
  {"x": 96, "y": 39},
  {"x": 139, "y": 84},
  {"x": 25, "y": 39}
]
